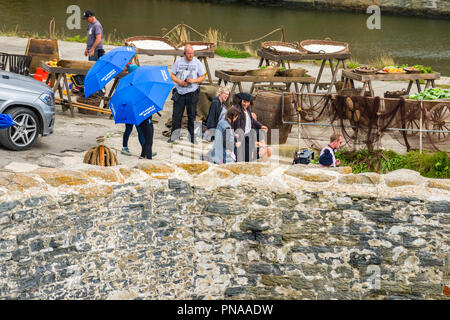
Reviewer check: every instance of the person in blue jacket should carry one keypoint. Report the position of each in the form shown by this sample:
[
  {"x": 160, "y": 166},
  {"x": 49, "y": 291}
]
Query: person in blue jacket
[
  {"x": 224, "y": 139},
  {"x": 327, "y": 157}
]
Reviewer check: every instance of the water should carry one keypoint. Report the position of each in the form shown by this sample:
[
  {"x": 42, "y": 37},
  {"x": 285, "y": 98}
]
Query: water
[{"x": 409, "y": 40}]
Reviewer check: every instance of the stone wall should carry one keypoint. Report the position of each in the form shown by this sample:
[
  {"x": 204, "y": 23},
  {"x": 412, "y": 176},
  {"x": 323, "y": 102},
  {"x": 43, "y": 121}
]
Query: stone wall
[
  {"x": 432, "y": 8},
  {"x": 255, "y": 231}
]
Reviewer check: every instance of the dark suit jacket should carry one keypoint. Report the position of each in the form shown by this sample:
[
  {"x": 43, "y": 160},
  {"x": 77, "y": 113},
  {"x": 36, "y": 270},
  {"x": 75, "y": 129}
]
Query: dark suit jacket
[{"x": 240, "y": 121}]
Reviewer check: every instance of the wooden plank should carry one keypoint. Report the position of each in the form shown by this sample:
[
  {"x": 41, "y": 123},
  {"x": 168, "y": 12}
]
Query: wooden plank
[
  {"x": 85, "y": 106},
  {"x": 232, "y": 78}
]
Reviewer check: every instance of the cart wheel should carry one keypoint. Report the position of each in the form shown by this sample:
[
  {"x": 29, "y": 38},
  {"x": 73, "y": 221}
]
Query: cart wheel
[
  {"x": 412, "y": 124},
  {"x": 439, "y": 117},
  {"x": 413, "y": 121}
]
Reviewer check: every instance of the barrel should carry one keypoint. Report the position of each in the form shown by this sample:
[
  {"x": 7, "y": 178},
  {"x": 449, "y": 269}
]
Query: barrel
[{"x": 267, "y": 107}]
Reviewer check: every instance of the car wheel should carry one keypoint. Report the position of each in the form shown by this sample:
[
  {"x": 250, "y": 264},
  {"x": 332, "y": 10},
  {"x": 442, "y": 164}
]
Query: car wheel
[{"x": 24, "y": 134}]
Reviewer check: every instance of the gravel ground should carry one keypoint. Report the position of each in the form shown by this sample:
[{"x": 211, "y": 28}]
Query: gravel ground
[{"x": 72, "y": 137}]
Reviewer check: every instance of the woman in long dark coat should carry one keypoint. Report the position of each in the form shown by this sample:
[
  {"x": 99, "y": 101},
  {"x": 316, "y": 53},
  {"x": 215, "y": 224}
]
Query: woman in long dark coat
[{"x": 247, "y": 127}]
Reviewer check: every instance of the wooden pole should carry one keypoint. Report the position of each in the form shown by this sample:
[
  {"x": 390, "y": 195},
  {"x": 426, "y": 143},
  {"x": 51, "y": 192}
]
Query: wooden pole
[
  {"x": 420, "y": 124},
  {"x": 181, "y": 30},
  {"x": 283, "y": 35}
]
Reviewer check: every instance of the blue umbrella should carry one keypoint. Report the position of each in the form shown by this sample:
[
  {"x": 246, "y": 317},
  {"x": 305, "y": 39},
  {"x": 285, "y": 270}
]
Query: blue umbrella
[
  {"x": 141, "y": 94},
  {"x": 6, "y": 121},
  {"x": 106, "y": 68}
]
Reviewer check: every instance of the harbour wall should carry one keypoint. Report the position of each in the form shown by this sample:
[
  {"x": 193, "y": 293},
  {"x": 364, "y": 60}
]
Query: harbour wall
[
  {"x": 429, "y": 8},
  {"x": 167, "y": 230}
]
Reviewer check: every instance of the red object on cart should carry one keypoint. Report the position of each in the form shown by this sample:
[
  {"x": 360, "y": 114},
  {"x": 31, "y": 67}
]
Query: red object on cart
[{"x": 40, "y": 75}]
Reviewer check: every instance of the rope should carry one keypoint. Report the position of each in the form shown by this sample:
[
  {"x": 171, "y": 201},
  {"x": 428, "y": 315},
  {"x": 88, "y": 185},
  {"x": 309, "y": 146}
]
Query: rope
[{"x": 224, "y": 42}]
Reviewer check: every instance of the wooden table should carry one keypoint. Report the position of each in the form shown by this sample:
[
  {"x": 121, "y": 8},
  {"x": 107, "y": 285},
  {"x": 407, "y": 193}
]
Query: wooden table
[
  {"x": 202, "y": 55},
  {"x": 268, "y": 56},
  {"x": 350, "y": 76},
  {"x": 61, "y": 73},
  {"x": 288, "y": 81}
]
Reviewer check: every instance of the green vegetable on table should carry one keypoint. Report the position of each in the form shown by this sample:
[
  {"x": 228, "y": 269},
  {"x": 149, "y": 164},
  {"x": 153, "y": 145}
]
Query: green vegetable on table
[
  {"x": 431, "y": 94},
  {"x": 422, "y": 68}
]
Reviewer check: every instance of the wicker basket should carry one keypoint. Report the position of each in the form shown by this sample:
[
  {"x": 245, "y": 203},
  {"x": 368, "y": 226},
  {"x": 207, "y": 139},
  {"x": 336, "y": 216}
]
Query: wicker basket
[
  {"x": 266, "y": 72},
  {"x": 268, "y": 45},
  {"x": 324, "y": 42},
  {"x": 128, "y": 41},
  {"x": 293, "y": 72},
  {"x": 396, "y": 94},
  {"x": 409, "y": 70},
  {"x": 236, "y": 72},
  {"x": 209, "y": 45},
  {"x": 363, "y": 71},
  {"x": 95, "y": 102}
]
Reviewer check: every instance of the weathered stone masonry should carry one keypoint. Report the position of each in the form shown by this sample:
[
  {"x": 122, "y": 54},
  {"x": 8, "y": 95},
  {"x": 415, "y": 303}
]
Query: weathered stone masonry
[{"x": 167, "y": 231}]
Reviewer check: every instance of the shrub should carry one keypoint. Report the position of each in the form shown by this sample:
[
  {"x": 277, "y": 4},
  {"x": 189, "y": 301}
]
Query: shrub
[
  {"x": 232, "y": 53},
  {"x": 431, "y": 165}
]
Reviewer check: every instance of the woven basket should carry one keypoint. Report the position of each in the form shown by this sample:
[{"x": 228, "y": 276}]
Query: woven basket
[
  {"x": 324, "y": 42},
  {"x": 90, "y": 101},
  {"x": 267, "y": 45},
  {"x": 362, "y": 71},
  {"x": 409, "y": 70},
  {"x": 236, "y": 72},
  {"x": 128, "y": 41},
  {"x": 396, "y": 94},
  {"x": 209, "y": 45},
  {"x": 293, "y": 73},
  {"x": 266, "y": 72}
]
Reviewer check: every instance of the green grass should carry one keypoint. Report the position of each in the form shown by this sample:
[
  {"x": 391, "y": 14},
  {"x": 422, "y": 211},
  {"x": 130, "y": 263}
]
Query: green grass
[
  {"x": 232, "y": 53},
  {"x": 431, "y": 165},
  {"x": 110, "y": 38},
  {"x": 352, "y": 64},
  {"x": 77, "y": 38}
]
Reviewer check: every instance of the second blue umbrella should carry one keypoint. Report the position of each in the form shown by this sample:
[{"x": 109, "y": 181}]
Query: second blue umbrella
[{"x": 141, "y": 94}]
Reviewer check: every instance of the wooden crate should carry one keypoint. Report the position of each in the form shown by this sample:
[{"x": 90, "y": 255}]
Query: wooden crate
[{"x": 41, "y": 50}]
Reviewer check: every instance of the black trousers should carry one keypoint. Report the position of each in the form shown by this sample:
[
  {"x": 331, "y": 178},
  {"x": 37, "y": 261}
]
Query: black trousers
[
  {"x": 180, "y": 101},
  {"x": 147, "y": 131},
  {"x": 248, "y": 152}
]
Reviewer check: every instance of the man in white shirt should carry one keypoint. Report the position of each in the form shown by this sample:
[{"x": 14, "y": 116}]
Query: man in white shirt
[{"x": 187, "y": 73}]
